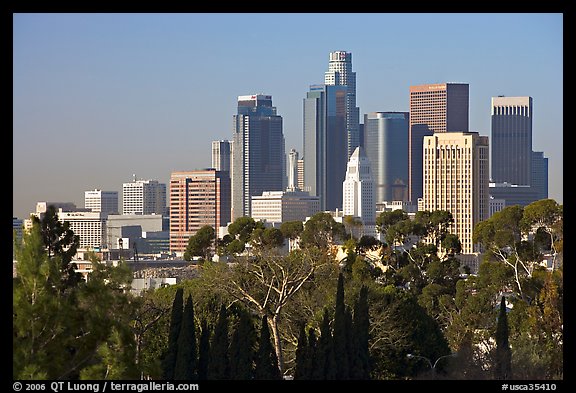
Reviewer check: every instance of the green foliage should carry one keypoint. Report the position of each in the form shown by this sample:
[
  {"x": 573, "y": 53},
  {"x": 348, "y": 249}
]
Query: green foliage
[
  {"x": 325, "y": 361},
  {"x": 204, "y": 351},
  {"x": 292, "y": 229},
  {"x": 242, "y": 348},
  {"x": 321, "y": 231},
  {"x": 266, "y": 364},
  {"x": 186, "y": 357},
  {"x": 243, "y": 227},
  {"x": 340, "y": 339},
  {"x": 503, "y": 358},
  {"x": 200, "y": 244},
  {"x": 219, "y": 363},
  {"x": 169, "y": 362}
]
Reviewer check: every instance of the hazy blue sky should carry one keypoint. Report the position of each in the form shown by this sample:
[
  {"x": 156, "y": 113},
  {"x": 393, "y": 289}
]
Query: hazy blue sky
[{"x": 100, "y": 97}]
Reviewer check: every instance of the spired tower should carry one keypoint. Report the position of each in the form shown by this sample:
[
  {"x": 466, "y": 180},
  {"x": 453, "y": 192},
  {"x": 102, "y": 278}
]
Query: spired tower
[{"x": 358, "y": 188}]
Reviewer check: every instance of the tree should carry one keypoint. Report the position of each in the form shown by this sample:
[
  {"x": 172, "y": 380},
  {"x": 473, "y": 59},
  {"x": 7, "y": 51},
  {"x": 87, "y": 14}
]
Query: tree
[
  {"x": 292, "y": 230},
  {"x": 204, "y": 351},
  {"x": 186, "y": 357},
  {"x": 169, "y": 363},
  {"x": 266, "y": 365},
  {"x": 200, "y": 244},
  {"x": 325, "y": 362},
  {"x": 266, "y": 283},
  {"x": 340, "y": 334},
  {"x": 321, "y": 230},
  {"x": 302, "y": 354},
  {"x": 219, "y": 363},
  {"x": 268, "y": 238},
  {"x": 361, "y": 329},
  {"x": 385, "y": 220},
  {"x": 243, "y": 227},
  {"x": 503, "y": 358},
  {"x": 242, "y": 348}
]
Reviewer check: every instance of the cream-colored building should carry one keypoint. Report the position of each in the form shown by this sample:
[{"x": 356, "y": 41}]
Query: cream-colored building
[
  {"x": 456, "y": 178},
  {"x": 283, "y": 206}
]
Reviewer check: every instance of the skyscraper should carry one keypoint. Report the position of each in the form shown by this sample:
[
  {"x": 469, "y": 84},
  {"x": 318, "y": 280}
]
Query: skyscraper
[
  {"x": 539, "y": 176},
  {"x": 386, "y": 146},
  {"x": 456, "y": 179},
  {"x": 358, "y": 188},
  {"x": 325, "y": 152},
  {"x": 511, "y": 140},
  {"x": 293, "y": 170},
  {"x": 221, "y": 155},
  {"x": 441, "y": 107},
  {"x": 258, "y": 159},
  {"x": 197, "y": 198},
  {"x": 340, "y": 74},
  {"x": 101, "y": 201},
  {"x": 143, "y": 197}
]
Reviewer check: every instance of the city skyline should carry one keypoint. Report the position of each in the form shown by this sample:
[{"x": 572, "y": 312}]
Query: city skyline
[{"x": 99, "y": 97}]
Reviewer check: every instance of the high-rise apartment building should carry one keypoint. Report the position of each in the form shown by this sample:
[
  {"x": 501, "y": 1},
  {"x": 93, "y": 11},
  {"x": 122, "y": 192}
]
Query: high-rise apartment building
[
  {"x": 511, "y": 140},
  {"x": 101, "y": 201},
  {"x": 358, "y": 188},
  {"x": 386, "y": 146},
  {"x": 221, "y": 154},
  {"x": 197, "y": 198},
  {"x": 258, "y": 159},
  {"x": 143, "y": 197},
  {"x": 456, "y": 179},
  {"x": 340, "y": 74},
  {"x": 325, "y": 141},
  {"x": 441, "y": 107}
]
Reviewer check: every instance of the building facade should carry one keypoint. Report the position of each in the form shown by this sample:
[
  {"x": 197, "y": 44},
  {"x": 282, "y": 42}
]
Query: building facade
[
  {"x": 101, "y": 201},
  {"x": 325, "y": 144},
  {"x": 456, "y": 179},
  {"x": 340, "y": 74},
  {"x": 386, "y": 146},
  {"x": 143, "y": 197},
  {"x": 89, "y": 226},
  {"x": 293, "y": 170},
  {"x": 258, "y": 159},
  {"x": 283, "y": 206},
  {"x": 511, "y": 140},
  {"x": 197, "y": 198},
  {"x": 221, "y": 154},
  {"x": 539, "y": 176},
  {"x": 434, "y": 108},
  {"x": 358, "y": 188}
]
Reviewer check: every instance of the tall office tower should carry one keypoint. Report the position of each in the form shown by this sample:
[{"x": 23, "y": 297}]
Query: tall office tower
[
  {"x": 258, "y": 159},
  {"x": 293, "y": 170},
  {"x": 101, "y": 201},
  {"x": 358, "y": 188},
  {"x": 197, "y": 198},
  {"x": 221, "y": 155},
  {"x": 340, "y": 74},
  {"x": 143, "y": 197},
  {"x": 386, "y": 146},
  {"x": 325, "y": 144},
  {"x": 441, "y": 107},
  {"x": 511, "y": 140},
  {"x": 301, "y": 174},
  {"x": 539, "y": 176},
  {"x": 456, "y": 179}
]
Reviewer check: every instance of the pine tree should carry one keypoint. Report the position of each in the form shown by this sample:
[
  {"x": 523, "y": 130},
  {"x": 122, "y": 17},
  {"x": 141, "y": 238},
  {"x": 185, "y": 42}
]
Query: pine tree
[
  {"x": 204, "y": 351},
  {"x": 326, "y": 367},
  {"x": 361, "y": 328},
  {"x": 219, "y": 364},
  {"x": 339, "y": 339},
  {"x": 169, "y": 362},
  {"x": 266, "y": 361},
  {"x": 242, "y": 349},
  {"x": 302, "y": 355},
  {"x": 186, "y": 357},
  {"x": 503, "y": 361}
]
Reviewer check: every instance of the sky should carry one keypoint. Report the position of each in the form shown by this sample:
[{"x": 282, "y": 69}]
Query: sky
[{"x": 100, "y": 97}]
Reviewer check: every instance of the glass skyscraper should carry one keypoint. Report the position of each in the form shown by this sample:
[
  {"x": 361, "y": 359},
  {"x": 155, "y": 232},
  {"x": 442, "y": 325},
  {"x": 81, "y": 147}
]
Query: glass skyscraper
[{"x": 258, "y": 159}]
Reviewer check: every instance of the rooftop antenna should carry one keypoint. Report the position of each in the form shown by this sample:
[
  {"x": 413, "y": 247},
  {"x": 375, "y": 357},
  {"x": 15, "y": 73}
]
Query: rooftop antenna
[{"x": 133, "y": 177}]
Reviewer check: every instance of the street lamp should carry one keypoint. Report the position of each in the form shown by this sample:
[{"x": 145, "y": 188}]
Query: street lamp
[{"x": 432, "y": 366}]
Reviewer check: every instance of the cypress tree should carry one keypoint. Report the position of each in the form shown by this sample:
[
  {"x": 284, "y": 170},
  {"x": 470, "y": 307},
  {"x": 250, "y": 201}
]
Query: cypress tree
[
  {"x": 311, "y": 361},
  {"x": 266, "y": 359},
  {"x": 351, "y": 347},
  {"x": 169, "y": 361},
  {"x": 218, "y": 365},
  {"x": 186, "y": 360},
  {"x": 503, "y": 363},
  {"x": 326, "y": 367},
  {"x": 339, "y": 339},
  {"x": 302, "y": 355},
  {"x": 242, "y": 349},
  {"x": 361, "y": 328},
  {"x": 204, "y": 351}
]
